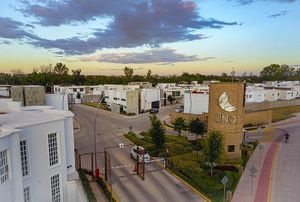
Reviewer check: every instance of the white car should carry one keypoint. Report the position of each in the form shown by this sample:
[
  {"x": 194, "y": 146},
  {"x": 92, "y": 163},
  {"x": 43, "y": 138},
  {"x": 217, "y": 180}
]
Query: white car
[{"x": 134, "y": 153}]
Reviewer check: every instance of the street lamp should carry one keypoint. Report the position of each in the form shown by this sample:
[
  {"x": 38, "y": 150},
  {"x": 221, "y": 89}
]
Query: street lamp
[{"x": 95, "y": 140}]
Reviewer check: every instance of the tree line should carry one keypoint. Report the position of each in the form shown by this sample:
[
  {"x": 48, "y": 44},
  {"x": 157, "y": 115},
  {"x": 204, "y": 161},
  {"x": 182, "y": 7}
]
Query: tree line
[{"x": 60, "y": 74}]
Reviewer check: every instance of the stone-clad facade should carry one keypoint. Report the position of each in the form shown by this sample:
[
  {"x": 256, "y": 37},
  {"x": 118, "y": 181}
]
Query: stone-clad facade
[{"x": 225, "y": 114}]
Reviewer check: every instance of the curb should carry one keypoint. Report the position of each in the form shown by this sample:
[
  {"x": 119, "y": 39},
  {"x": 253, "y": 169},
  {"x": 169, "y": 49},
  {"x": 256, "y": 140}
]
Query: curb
[
  {"x": 181, "y": 180},
  {"x": 188, "y": 185},
  {"x": 271, "y": 176}
]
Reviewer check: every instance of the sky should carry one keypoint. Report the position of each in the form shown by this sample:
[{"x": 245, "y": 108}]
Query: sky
[{"x": 165, "y": 36}]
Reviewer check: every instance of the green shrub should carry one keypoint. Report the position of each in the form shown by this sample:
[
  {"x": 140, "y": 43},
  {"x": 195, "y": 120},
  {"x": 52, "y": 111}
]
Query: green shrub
[
  {"x": 105, "y": 189},
  {"x": 86, "y": 185}
]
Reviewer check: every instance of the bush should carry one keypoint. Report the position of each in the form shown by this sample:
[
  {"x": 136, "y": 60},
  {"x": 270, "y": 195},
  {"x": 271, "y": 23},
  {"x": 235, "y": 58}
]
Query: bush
[
  {"x": 105, "y": 189},
  {"x": 86, "y": 185}
]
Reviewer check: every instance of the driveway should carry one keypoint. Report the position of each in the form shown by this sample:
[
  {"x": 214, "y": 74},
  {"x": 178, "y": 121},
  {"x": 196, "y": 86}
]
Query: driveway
[{"x": 159, "y": 185}]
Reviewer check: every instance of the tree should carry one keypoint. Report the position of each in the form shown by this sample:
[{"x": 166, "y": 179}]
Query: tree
[
  {"x": 214, "y": 149},
  {"x": 128, "y": 72},
  {"x": 157, "y": 132},
  {"x": 77, "y": 76},
  {"x": 197, "y": 127},
  {"x": 276, "y": 72},
  {"x": 18, "y": 72},
  {"x": 179, "y": 125},
  {"x": 149, "y": 74},
  {"x": 60, "y": 69},
  {"x": 224, "y": 74},
  {"x": 171, "y": 99}
]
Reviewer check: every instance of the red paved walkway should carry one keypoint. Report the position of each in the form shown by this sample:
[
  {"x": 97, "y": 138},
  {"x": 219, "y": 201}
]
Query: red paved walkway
[{"x": 266, "y": 171}]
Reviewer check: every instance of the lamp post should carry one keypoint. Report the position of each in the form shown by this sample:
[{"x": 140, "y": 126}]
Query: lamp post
[{"x": 95, "y": 140}]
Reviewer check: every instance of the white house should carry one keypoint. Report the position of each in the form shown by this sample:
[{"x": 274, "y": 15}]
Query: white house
[
  {"x": 37, "y": 160},
  {"x": 287, "y": 94},
  {"x": 270, "y": 95},
  {"x": 196, "y": 102},
  {"x": 5, "y": 90},
  {"x": 130, "y": 99},
  {"x": 171, "y": 90},
  {"x": 254, "y": 94},
  {"x": 149, "y": 98}
]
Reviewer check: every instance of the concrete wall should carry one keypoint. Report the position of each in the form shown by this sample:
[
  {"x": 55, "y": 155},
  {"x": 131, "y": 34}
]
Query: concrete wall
[
  {"x": 132, "y": 102},
  {"x": 17, "y": 94},
  {"x": 28, "y": 95},
  {"x": 115, "y": 108},
  {"x": 187, "y": 117},
  {"x": 270, "y": 105},
  {"x": 91, "y": 98},
  {"x": 258, "y": 117},
  {"x": 34, "y": 95}
]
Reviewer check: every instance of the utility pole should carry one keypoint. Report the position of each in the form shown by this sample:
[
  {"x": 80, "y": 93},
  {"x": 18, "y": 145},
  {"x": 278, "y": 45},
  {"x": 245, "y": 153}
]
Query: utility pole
[
  {"x": 95, "y": 139},
  {"x": 232, "y": 74}
]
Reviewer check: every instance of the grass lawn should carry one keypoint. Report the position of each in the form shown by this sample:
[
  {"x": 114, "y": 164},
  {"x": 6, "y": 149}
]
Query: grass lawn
[
  {"x": 86, "y": 185},
  {"x": 94, "y": 104},
  {"x": 284, "y": 113},
  {"x": 189, "y": 166}
]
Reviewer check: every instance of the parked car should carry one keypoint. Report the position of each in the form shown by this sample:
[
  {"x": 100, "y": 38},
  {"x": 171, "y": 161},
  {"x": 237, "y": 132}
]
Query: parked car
[
  {"x": 154, "y": 111},
  {"x": 138, "y": 149}
]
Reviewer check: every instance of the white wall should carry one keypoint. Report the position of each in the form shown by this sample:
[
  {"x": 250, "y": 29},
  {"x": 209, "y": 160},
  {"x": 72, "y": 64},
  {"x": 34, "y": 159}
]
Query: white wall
[
  {"x": 196, "y": 103},
  {"x": 58, "y": 101},
  {"x": 255, "y": 96},
  {"x": 270, "y": 95},
  {"x": 4, "y": 91},
  {"x": 147, "y": 97}
]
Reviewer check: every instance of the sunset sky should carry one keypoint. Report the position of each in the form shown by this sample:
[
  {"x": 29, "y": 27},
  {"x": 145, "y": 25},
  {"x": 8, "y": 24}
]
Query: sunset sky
[{"x": 166, "y": 36}]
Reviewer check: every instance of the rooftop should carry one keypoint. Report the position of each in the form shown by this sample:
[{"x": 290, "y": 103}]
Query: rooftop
[{"x": 13, "y": 120}]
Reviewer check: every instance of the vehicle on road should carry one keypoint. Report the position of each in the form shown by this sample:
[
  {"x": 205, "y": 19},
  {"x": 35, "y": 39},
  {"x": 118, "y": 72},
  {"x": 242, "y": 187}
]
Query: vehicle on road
[
  {"x": 138, "y": 150},
  {"x": 154, "y": 111}
]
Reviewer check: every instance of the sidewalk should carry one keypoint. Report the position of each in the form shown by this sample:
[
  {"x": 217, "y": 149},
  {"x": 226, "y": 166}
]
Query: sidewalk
[
  {"x": 256, "y": 188},
  {"x": 99, "y": 195}
]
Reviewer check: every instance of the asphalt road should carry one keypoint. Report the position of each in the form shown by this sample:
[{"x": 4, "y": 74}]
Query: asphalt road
[
  {"x": 286, "y": 175},
  {"x": 159, "y": 185}
]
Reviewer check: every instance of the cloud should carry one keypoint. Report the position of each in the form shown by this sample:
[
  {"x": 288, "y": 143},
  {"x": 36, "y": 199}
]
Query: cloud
[
  {"x": 246, "y": 2},
  {"x": 163, "y": 56},
  {"x": 11, "y": 29},
  {"x": 135, "y": 23},
  {"x": 282, "y": 13}
]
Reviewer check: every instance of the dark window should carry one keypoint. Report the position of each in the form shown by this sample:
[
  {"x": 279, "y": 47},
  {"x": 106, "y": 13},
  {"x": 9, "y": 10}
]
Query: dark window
[
  {"x": 123, "y": 100},
  {"x": 231, "y": 148},
  {"x": 81, "y": 89},
  {"x": 74, "y": 90}
]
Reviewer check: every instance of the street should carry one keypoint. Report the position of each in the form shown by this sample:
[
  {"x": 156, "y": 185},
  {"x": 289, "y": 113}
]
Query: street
[
  {"x": 286, "y": 175},
  {"x": 159, "y": 185}
]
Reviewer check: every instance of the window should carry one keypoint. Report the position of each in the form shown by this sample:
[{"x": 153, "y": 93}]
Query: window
[
  {"x": 55, "y": 188},
  {"x": 81, "y": 89},
  {"x": 3, "y": 167},
  {"x": 26, "y": 192},
  {"x": 24, "y": 157},
  {"x": 53, "y": 149},
  {"x": 231, "y": 148},
  {"x": 74, "y": 90},
  {"x": 123, "y": 100}
]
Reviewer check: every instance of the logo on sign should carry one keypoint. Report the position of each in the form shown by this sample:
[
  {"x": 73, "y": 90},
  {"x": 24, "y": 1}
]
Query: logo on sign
[{"x": 225, "y": 104}]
